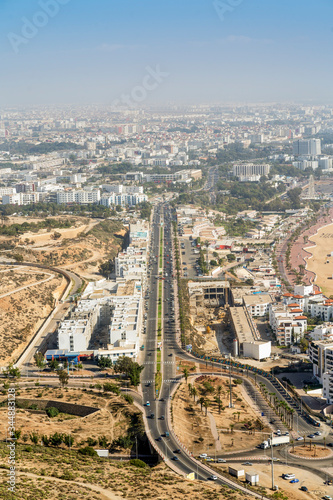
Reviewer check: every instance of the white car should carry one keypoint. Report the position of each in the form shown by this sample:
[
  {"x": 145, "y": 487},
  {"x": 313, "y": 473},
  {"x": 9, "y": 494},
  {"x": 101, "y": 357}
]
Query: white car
[
  {"x": 289, "y": 476},
  {"x": 300, "y": 438},
  {"x": 203, "y": 455},
  {"x": 221, "y": 461}
]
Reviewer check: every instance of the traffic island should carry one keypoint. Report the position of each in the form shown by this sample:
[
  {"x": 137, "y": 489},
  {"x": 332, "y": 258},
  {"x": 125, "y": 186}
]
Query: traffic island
[{"x": 310, "y": 451}]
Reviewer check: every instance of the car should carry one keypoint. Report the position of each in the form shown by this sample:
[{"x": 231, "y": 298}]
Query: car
[
  {"x": 203, "y": 455},
  {"x": 221, "y": 461},
  {"x": 209, "y": 459},
  {"x": 294, "y": 481},
  {"x": 162, "y": 399},
  {"x": 159, "y": 438},
  {"x": 162, "y": 417},
  {"x": 177, "y": 451},
  {"x": 311, "y": 436},
  {"x": 278, "y": 432},
  {"x": 330, "y": 444},
  {"x": 247, "y": 463},
  {"x": 147, "y": 404},
  {"x": 300, "y": 438},
  {"x": 288, "y": 476},
  {"x": 304, "y": 488},
  {"x": 212, "y": 478},
  {"x": 286, "y": 433},
  {"x": 175, "y": 458},
  {"x": 317, "y": 433},
  {"x": 327, "y": 497}
]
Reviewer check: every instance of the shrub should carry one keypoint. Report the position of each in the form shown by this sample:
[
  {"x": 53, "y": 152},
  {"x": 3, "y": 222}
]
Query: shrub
[
  {"x": 138, "y": 463},
  {"x": 88, "y": 451},
  {"x": 128, "y": 398},
  {"x": 91, "y": 442},
  {"x": 52, "y": 412}
]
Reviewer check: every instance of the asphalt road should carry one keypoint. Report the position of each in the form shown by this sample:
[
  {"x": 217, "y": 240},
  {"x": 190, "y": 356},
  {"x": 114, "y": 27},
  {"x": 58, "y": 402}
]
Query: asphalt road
[{"x": 158, "y": 404}]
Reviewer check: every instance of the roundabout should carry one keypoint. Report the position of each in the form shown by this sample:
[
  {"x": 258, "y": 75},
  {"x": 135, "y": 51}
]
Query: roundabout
[{"x": 310, "y": 451}]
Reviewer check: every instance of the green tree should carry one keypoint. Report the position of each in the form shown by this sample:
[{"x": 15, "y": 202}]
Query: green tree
[
  {"x": 104, "y": 362},
  {"x": 12, "y": 372},
  {"x": 106, "y": 268},
  {"x": 63, "y": 377},
  {"x": 39, "y": 359}
]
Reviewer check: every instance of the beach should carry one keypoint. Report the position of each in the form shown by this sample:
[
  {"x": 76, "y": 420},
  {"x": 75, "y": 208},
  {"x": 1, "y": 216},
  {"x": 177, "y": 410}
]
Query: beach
[{"x": 320, "y": 262}]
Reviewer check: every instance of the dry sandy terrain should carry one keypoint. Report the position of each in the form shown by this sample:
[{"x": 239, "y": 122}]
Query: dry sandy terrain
[
  {"x": 111, "y": 421},
  {"x": 316, "y": 486},
  {"x": 50, "y": 473},
  {"x": 318, "y": 262},
  {"x": 229, "y": 426},
  {"x": 26, "y": 298}
]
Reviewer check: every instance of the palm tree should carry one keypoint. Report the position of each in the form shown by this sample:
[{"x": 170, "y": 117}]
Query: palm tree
[
  {"x": 185, "y": 373},
  {"x": 206, "y": 404},
  {"x": 273, "y": 395},
  {"x": 293, "y": 443},
  {"x": 201, "y": 401},
  {"x": 218, "y": 390},
  {"x": 190, "y": 389},
  {"x": 194, "y": 392}
]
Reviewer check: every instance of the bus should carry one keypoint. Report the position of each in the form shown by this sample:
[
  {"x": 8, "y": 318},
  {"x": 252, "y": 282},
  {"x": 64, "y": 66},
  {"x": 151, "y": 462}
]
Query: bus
[{"x": 313, "y": 421}]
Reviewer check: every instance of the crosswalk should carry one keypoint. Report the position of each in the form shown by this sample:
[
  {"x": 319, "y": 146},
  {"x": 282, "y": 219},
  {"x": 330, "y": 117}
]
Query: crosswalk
[
  {"x": 153, "y": 362},
  {"x": 167, "y": 381}
]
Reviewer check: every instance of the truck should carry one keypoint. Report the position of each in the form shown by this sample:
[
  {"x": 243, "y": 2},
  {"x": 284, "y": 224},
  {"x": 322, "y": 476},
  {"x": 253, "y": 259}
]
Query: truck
[{"x": 276, "y": 441}]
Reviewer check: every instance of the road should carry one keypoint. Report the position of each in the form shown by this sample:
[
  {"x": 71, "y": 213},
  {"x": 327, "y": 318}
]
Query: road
[{"x": 158, "y": 426}]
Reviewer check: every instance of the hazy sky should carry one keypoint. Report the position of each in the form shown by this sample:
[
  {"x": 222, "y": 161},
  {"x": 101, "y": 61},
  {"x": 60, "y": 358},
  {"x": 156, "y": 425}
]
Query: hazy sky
[{"x": 93, "y": 51}]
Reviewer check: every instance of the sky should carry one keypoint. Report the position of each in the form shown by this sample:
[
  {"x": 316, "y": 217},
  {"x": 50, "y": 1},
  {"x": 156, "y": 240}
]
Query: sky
[{"x": 139, "y": 52}]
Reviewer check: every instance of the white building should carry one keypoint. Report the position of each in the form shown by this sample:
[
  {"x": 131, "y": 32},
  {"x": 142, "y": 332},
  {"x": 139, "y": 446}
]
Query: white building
[
  {"x": 288, "y": 323},
  {"x": 251, "y": 169},
  {"x": 74, "y": 334},
  {"x": 258, "y": 304},
  {"x": 22, "y": 198},
  {"x": 78, "y": 196},
  {"x": 122, "y": 199}
]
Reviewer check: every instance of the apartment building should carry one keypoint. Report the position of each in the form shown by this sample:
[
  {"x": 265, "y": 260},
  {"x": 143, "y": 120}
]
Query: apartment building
[
  {"x": 250, "y": 169},
  {"x": 22, "y": 198},
  {"x": 122, "y": 199},
  {"x": 288, "y": 323},
  {"x": 257, "y": 304},
  {"x": 311, "y": 147},
  {"x": 131, "y": 263},
  {"x": 78, "y": 196},
  {"x": 321, "y": 355},
  {"x": 74, "y": 334}
]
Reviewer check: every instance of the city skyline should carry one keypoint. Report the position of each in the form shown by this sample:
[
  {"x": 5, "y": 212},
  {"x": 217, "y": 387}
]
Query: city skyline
[{"x": 60, "y": 52}]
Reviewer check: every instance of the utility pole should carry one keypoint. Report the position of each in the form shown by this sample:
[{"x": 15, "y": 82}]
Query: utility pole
[
  {"x": 230, "y": 389},
  {"x": 272, "y": 461},
  {"x": 136, "y": 446}
]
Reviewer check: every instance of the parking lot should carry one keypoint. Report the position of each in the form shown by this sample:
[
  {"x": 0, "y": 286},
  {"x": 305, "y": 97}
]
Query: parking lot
[{"x": 188, "y": 259}]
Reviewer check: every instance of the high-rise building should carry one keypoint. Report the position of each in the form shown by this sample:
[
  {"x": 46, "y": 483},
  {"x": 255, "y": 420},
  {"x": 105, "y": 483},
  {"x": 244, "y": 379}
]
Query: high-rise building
[
  {"x": 250, "y": 169},
  {"x": 307, "y": 147}
]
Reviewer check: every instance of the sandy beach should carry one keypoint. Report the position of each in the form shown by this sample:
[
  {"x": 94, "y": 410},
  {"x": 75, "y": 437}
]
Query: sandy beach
[{"x": 320, "y": 262}]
